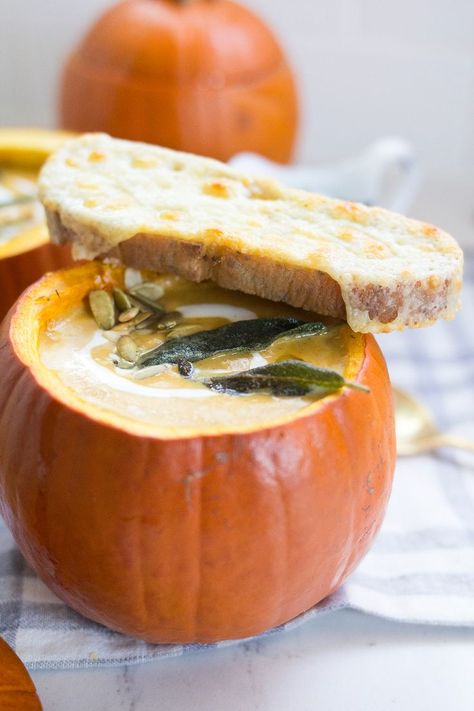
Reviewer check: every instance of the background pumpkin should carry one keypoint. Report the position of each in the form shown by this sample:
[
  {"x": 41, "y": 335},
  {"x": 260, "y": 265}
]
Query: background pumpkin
[
  {"x": 186, "y": 539},
  {"x": 17, "y": 691},
  {"x": 27, "y": 261},
  {"x": 205, "y": 76},
  {"x": 25, "y": 258}
]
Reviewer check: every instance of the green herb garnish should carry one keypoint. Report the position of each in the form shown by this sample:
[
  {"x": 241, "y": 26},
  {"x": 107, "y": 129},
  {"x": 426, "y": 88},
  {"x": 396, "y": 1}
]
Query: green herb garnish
[
  {"x": 289, "y": 378},
  {"x": 252, "y": 335},
  {"x": 307, "y": 328}
]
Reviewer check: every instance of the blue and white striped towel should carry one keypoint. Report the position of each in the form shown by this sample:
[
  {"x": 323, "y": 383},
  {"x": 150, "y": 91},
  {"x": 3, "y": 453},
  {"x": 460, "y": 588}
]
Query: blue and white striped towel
[{"x": 421, "y": 568}]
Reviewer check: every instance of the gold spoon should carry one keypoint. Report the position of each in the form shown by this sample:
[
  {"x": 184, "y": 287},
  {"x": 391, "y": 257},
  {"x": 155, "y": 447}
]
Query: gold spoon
[{"x": 416, "y": 429}]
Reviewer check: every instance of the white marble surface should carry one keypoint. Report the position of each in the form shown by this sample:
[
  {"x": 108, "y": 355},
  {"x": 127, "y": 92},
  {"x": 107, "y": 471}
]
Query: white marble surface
[{"x": 345, "y": 661}]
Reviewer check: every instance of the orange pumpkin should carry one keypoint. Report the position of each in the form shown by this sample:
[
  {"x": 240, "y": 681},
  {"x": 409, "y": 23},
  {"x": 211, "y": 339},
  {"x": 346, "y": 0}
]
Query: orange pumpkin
[
  {"x": 24, "y": 260},
  {"x": 205, "y": 76},
  {"x": 17, "y": 691},
  {"x": 192, "y": 538},
  {"x": 27, "y": 256}
]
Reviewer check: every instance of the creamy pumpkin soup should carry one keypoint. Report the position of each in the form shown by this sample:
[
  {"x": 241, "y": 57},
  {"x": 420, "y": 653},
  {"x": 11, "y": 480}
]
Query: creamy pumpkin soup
[{"x": 183, "y": 356}]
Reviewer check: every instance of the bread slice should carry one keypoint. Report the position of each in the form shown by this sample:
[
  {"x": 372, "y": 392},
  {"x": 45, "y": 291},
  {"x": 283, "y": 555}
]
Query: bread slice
[{"x": 159, "y": 209}]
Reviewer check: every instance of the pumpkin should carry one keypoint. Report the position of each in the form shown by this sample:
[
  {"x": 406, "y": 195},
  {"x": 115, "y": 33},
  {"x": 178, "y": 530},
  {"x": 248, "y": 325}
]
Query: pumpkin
[
  {"x": 25, "y": 259},
  {"x": 28, "y": 148},
  {"x": 29, "y": 254},
  {"x": 192, "y": 538},
  {"x": 205, "y": 76},
  {"x": 17, "y": 691}
]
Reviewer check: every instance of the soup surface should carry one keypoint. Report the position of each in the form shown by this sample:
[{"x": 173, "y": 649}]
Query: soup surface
[
  {"x": 19, "y": 207},
  {"x": 85, "y": 358}
]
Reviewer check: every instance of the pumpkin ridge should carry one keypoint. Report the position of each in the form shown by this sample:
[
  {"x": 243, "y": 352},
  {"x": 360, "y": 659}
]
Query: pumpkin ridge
[
  {"x": 198, "y": 590},
  {"x": 285, "y": 537},
  {"x": 247, "y": 82}
]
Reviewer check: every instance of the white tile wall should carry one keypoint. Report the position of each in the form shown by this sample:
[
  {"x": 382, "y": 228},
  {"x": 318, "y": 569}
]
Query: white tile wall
[
  {"x": 374, "y": 67},
  {"x": 366, "y": 68}
]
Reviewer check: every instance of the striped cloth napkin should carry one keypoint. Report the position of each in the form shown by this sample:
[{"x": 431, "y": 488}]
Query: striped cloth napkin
[{"x": 420, "y": 569}]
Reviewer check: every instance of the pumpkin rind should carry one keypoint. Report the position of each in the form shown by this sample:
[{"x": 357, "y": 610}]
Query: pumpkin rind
[
  {"x": 192, "y": 539},
  {"x": 204, "y": 77},
  {"x": 19, "y": 270},
  {"x": 26, "y": 257},
  {"x": 28, "y": 148},
  {"x": 17, "y": 691}
]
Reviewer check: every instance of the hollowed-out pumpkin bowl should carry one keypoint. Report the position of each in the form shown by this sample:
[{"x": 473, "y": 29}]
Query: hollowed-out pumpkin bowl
[{"x": 193, "y": 538}]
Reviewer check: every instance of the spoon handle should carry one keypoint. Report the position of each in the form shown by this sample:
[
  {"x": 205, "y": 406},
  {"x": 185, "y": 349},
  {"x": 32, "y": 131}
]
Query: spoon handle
[
  {"x": 438, "y": 440},
  {"x": 447, "y": 440}
]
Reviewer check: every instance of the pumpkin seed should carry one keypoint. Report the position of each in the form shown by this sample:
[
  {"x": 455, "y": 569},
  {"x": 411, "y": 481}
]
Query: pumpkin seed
[
  {"x": 185, "y": 329},
  {"x": 145, "y": 304},
  {"x": 103, "y": 308},
  {"x": 290, "y": 378},
  {"x": 250, "y": 335},
  {"x": 169, "y": 320},
  {"x": 122, "y": 300},
  {"x": 112, "y": 336},
  {"x": 148, "y": 290},
  {"x": 129, "y": 314},
  {"x": 124, "y": 364},
  {"x": 127, "y": 349},
  {"x": 149, "y": 322}
]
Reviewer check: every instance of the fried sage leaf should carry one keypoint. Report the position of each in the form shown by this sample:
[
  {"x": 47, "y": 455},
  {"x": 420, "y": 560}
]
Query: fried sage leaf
[
  {"x": 288, "y": 378},
  {"x": 308, "y": 328},
  {"x": 251, "y": 335}
]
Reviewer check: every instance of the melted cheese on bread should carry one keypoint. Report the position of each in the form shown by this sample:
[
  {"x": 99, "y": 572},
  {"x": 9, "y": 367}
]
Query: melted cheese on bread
[{"x": 209, "y": 221}]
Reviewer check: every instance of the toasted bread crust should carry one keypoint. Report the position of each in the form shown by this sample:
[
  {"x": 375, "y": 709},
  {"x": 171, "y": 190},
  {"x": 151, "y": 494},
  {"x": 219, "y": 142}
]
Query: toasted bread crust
[
  {"x": 159, "y": 209},
  {"x": 304, "y": 288}
]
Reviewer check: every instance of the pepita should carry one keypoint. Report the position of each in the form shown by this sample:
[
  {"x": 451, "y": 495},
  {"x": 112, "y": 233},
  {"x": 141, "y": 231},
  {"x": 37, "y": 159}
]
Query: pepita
[
  {"x": 185, "y": 329},
  {"x": 145, "y": 304},
  {"x": 169, "y": 320},
  {"x": 122, "y": 300},
  {"x": 129, "y": 314},
  {"x": 149, "y": 323},
  {"x": 103, "y": 308},
  {"x": 127, "y": 349},
  {"x": 148, "y": 290}
]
